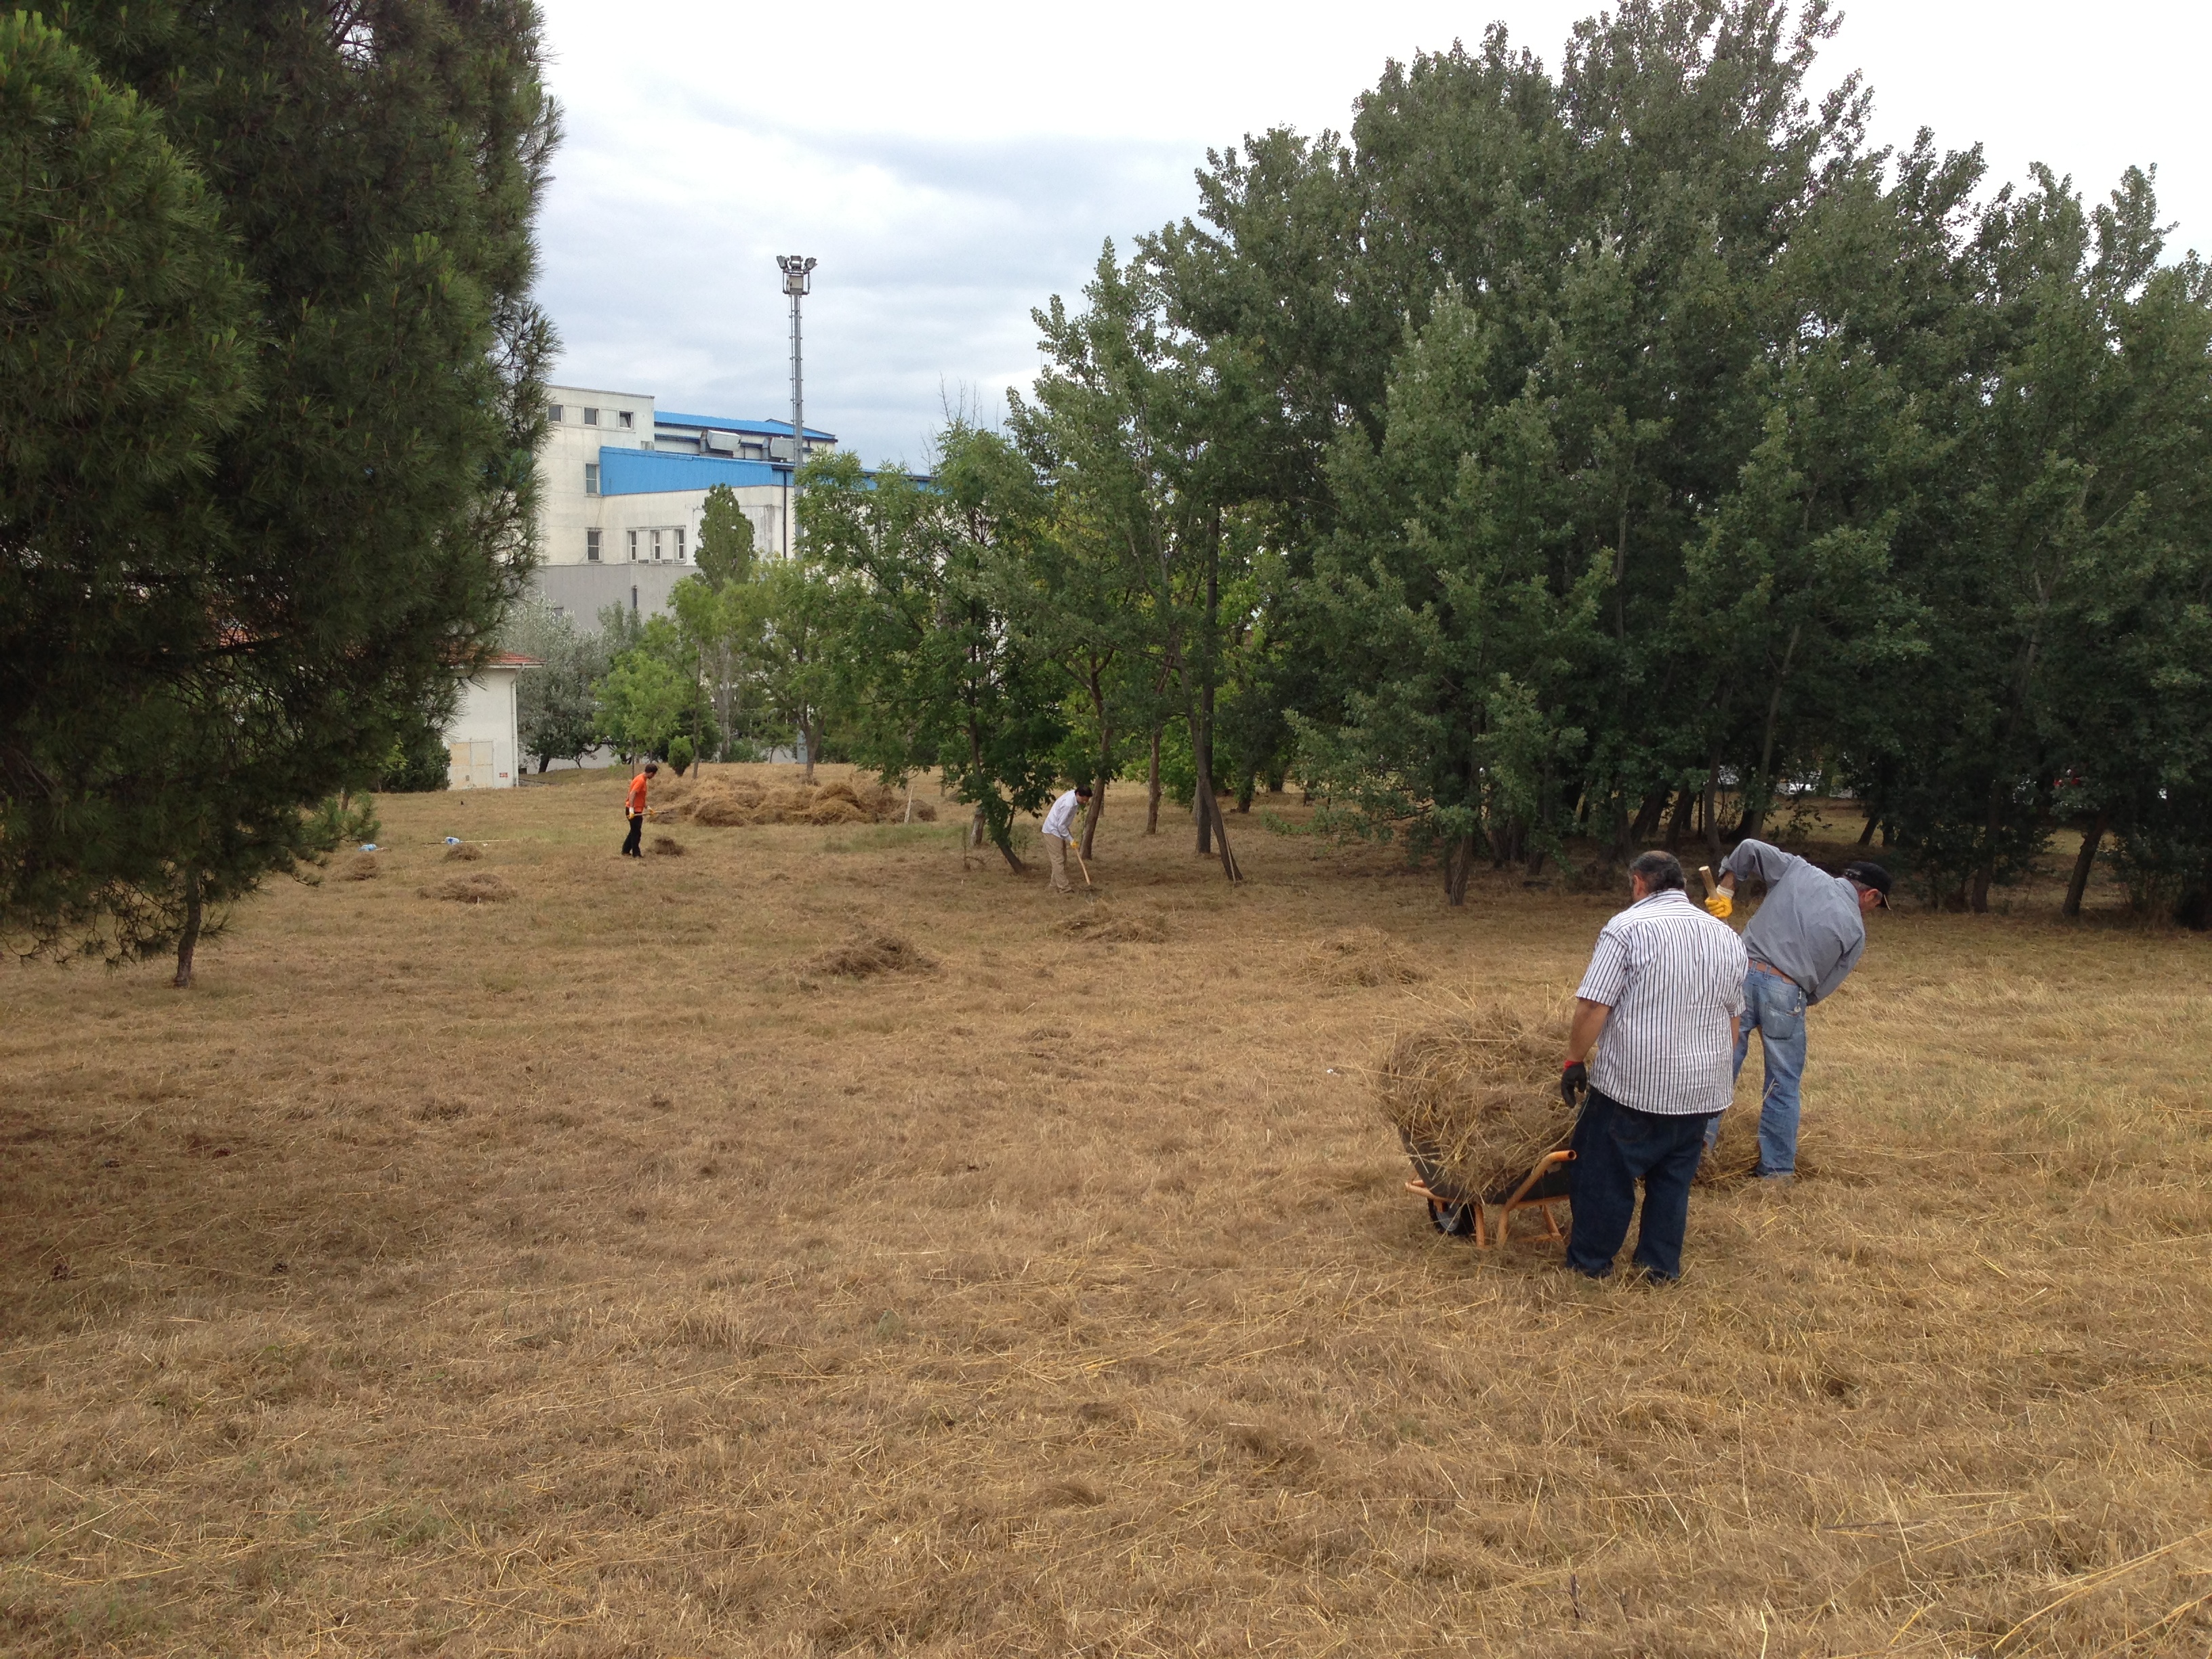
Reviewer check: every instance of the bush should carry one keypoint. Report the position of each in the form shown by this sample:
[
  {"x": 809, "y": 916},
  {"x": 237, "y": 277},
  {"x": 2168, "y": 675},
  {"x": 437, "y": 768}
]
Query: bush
[
  {"x": 680, "y": 754},
  {"x": 418, "y": 763}
]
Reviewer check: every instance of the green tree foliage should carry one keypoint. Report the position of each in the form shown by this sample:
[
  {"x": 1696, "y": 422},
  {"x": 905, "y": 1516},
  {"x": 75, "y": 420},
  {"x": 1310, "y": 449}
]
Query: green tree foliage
[
  {"x": 1615, "y": 436},
  {"x": 1141, "y": 430},
  {"x": 418, "y": 761},
  {"x": 644, "y": 702},
  {"x": 910, "y": 635},
  {"x": 374, "y": 172},
  {"x": 556, "y": 701},
  {"x": 123, "y": 364}
]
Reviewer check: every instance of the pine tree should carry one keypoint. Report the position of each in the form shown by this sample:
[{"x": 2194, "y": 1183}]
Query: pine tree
[{"x": 375, "y": 169}]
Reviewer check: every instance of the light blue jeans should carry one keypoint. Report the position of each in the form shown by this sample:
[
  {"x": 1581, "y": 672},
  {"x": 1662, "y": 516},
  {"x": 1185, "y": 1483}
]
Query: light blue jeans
[{"x": 1775, "y": 1009}]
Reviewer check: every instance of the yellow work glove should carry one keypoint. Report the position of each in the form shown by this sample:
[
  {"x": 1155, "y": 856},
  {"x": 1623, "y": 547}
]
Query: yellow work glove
[{"x": 1721, "y": 905}]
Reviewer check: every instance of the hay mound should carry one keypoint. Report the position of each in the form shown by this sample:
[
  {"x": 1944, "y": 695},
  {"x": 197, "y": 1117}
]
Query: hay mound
[
  {"x": 466, "y": 853},
  {"x": 868, "y": 953},
  {"x": 724, "y": 803},
  {"x": 1476, "y": 1098},
  {"x": 1107, "y": 925},
  {"x": 478, "y": 887},
  {"x": 667, "y": 847},
  {"x": 361, "y": 866},
  {"x": 1365, "y": 956}
]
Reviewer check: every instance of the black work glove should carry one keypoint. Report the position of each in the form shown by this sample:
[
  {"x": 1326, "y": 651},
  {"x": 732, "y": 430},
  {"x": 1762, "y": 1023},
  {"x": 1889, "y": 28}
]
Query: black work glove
[{"x": 1574, "y": 1082}]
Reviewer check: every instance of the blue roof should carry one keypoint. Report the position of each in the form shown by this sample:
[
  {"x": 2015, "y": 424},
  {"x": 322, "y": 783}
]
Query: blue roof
[
  {"x": 725, "y": 423},
  {"x": 653, "y": 471}
]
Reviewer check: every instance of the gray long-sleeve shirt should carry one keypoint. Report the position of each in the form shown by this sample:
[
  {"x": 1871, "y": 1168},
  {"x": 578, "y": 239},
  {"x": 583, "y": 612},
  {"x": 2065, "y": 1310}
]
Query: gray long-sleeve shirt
[{"x": 1810, "y": 926}]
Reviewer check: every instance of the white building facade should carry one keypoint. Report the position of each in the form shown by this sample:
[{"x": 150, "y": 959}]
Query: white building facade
[{"x": 622, "y": 486}]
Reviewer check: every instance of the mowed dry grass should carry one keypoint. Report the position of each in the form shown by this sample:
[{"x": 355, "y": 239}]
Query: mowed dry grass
[{"x": 578, "y": 1274}]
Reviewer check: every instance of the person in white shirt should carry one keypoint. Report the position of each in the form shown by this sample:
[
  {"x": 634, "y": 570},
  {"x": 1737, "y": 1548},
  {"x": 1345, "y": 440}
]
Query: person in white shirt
[
  {"x": 1659, "y": 1006},
  {"x": 1059, "y": 834}
]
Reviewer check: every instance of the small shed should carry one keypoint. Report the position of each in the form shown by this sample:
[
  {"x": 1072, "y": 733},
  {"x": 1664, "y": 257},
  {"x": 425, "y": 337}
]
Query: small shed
[{"x": 483, "y": 744}]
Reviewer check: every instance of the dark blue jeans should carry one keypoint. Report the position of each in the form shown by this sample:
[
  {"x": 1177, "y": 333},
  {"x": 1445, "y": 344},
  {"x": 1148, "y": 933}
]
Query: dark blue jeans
[{"x": 1615, "y": 1147}]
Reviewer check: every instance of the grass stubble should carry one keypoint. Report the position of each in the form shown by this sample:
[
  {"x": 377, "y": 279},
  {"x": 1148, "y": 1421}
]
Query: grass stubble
[{"x": 576, "y": 1275}]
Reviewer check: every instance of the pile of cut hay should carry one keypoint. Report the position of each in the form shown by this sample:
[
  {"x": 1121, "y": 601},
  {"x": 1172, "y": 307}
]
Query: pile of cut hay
[
  {"x": 667, "y": 847},
  {"x": 1105, "y": 925},
  {"x": 1475, "y": 1097},
  {"x": 478, "y": 887},
  {"x": 720, "y": 802},
  {"x": 867, "y": 953},
  {"x": 464, "y": 853},
  {"x": 361, "y": 866},
  {"x": 1365, "y": 956},
  {"x": 1475, "y": 1100}
]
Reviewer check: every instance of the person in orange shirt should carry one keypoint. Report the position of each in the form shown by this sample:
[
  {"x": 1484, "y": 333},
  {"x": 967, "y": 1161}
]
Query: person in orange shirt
[{"x": 635, "y": 809}]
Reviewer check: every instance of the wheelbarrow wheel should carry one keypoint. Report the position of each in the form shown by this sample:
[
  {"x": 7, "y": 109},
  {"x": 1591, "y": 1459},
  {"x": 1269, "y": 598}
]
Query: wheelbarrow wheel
[{"x": 1454, "y": 1220}]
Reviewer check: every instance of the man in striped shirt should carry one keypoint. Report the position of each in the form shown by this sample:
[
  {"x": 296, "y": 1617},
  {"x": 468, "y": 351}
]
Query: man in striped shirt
[{"x": 1659, "y": 1004}]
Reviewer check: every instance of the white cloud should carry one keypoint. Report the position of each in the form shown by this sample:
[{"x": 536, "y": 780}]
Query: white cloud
[{"x": 953, "y": 167}]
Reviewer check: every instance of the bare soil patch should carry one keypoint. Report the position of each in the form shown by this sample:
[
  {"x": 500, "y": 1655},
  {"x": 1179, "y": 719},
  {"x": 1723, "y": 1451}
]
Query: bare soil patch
[{"x": 566, "y": 1278}]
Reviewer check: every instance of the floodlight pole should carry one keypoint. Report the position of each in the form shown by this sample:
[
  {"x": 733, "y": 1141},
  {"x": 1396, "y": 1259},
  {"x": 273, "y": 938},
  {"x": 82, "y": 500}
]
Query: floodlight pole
[{"x": 797, "y": 277}]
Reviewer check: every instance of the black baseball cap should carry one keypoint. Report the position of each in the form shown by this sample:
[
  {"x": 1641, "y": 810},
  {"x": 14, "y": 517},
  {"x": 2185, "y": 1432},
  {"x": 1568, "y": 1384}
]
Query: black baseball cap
[{"x": 1869, "y": 874}]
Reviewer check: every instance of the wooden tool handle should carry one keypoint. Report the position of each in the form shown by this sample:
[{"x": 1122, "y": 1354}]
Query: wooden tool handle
[{"x": 1705, "y": 875}]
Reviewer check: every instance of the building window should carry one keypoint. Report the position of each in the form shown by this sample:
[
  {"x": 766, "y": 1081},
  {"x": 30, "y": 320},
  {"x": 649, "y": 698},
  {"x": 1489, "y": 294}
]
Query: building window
[
  {"x": 633, "y": 547},
  {"x": 679, "y": 544},
  {"x": 656, "y": 547},
  {"x": 591, "y": 417},
  {"x": 591, "y": 477},
  {"x": 555, "y": 413},
  {"x": 559, "y": 612},
  {"x": 625, "y": 419},
  {"x": 633, "y": 601},
  {"x": 592, "y": 546}
]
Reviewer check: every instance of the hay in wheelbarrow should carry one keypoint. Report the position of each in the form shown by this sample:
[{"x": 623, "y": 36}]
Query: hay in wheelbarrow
[
  {"x": 1475, "y": 1100},
  {"x": 1475, "y": 1096}
]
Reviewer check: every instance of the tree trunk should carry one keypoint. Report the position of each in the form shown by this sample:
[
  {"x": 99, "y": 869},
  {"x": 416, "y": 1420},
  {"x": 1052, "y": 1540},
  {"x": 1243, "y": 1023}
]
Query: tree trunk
[
  {"x": 1202, "y": 788},
  {"x": 908, "y": 781},
  {"x": 1873, "y": 817},
  {"x": 1647, "y": 819},
  {"x": 188, "y": 941},
  {"x": 1098, "y": 784},
  {"x": 1459, "y": 864},
  {"x": 1685, "y": 802},
  {"x": 1153, "y": 789},
  {"x": 1230, "y": 867},
  {"x": 811, "y": 730},
  {"x": 2084, "y": 864},
  {"x": 1201, "y": 728},
  {"x": 1245, "y": 791},
  {"x": 1713, "y": 806},
  {"x": 1755, "y": 805}
]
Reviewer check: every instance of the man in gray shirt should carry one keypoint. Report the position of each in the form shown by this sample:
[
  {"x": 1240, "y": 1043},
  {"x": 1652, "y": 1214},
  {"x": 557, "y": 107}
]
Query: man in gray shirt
[{"x": 1805, "y": 941}]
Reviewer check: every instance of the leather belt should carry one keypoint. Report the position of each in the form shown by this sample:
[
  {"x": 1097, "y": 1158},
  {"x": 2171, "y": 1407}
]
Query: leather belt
[{"x": 1768, "y": 968}]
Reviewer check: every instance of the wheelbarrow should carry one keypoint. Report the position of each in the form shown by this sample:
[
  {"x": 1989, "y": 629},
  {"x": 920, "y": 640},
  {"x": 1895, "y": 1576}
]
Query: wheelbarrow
[{"x": 1458, "y": 1213}]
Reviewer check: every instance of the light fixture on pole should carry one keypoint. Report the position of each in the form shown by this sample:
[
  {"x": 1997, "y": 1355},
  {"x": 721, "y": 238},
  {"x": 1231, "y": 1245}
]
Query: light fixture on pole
[{"x": 797, "y": 277}]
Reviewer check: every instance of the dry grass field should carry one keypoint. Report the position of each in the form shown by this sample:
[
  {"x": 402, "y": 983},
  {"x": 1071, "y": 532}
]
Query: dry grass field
[{"x": 593, "y": 1272}]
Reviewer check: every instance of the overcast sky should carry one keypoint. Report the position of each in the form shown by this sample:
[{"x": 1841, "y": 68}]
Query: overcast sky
[{"x": 953, "y": 166}]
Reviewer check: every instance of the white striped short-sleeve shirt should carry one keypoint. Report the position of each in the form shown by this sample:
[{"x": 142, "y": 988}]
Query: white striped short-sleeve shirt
[{"x": 1673, "y": 976}]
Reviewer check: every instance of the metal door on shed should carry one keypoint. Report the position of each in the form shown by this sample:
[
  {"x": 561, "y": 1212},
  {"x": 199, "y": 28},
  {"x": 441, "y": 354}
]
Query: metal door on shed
[{"x": 468, "y": 765}]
